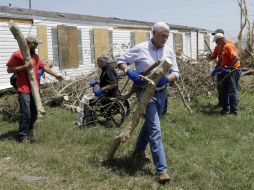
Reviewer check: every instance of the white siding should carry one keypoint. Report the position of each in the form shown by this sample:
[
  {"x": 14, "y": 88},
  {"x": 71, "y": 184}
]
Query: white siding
[
  {"x": 194, "y": 45},
  {"x": 170, "y": 42},
  {"x": 212, "y": 43},
  {"x": 187, "y": 45},
  {"x": 201, "y": 43},
  {"x": 121, "y": 41}
]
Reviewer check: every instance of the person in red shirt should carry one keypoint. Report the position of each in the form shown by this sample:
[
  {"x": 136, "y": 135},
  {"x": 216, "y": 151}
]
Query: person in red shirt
[
  {"x": 28, "y": 112},
  {"x": 230, "y": 73}
]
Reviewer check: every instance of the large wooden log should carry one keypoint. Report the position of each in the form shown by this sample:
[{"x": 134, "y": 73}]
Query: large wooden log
[
  {"x": 27, "y": 57},
  {"x": 140, "y": 111}
]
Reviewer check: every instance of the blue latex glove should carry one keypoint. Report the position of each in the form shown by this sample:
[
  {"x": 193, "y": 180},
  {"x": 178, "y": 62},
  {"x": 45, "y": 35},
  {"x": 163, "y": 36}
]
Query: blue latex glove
[
  {"x": 214, "y": 71},
  {"x": 224, "y": 70},
  {"x": 98, "y": 92},
  {"x": 164, "y": 80},
  {"x": 40, "y": 73},
  {"x": 134, "y": 76},
  {"x": 93, "y": 83}
]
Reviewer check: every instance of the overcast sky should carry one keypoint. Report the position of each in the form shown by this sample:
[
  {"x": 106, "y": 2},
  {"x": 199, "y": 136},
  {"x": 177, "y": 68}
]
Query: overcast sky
[{"x": 207, "y": 14}]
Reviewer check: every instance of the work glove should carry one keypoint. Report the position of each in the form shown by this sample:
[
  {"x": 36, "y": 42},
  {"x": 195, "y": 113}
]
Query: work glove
[
  {"x": 99, "y": 92},
  {"x": 93, "y": 83},
  {"x": 164, "y": 80},
  {"x": 214, "y": 71},
  {"x": 40, "y": 73},
  {"x": 224, "y": 70},
  {"x": 134, "y": 76}
]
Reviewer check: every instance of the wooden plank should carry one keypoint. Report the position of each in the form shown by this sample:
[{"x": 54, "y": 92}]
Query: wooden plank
[
  {"x": 179, "y": 44},
  {"x": 43, "y": 47},
  {"x": 73, "y": 47},
  {"x": 140, "y": 36},
  {"x": 17, "y": 20},
  {"x": 101, "y": 42},
  {"x": 55, "y": 49},
  {"x": 63, "y": 45},
  {"x": 207, "y": 42}
]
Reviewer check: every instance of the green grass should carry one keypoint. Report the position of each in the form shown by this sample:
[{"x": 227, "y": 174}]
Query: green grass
[{"x": 203, "y": 150}]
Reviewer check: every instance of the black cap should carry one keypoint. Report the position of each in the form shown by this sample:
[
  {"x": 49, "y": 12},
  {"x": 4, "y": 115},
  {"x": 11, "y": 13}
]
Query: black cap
[{"x": 219, "y": 30}]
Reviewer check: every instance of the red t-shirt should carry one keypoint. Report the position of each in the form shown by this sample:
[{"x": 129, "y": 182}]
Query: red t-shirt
[{"x": 23, "y": 84}]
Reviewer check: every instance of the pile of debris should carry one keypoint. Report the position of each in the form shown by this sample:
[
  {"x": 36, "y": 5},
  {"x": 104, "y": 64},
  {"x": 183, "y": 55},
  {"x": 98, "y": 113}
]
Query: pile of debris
[{"x": 195, "y": 79}]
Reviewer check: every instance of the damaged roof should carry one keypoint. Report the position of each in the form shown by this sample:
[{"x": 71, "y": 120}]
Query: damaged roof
[{"x": 21, "y": 13}]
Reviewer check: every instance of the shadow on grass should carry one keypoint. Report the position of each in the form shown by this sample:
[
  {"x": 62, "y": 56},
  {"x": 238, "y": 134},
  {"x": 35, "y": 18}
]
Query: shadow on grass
[
  {"x": 127, "y": 165},
  {"x": 9, "y": 135}
]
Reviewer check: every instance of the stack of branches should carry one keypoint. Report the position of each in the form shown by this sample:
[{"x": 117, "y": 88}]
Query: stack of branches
[
  {"x": 194, "y": 79},
  {"x": 68, "y": 93}
]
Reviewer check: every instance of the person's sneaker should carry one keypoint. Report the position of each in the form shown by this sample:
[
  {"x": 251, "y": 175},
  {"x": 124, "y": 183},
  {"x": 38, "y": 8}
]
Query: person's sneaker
[
  {"x": 163, "y": 178},
  {"x": 141, "y": 156},
  {"x": 224, "y": 111}
]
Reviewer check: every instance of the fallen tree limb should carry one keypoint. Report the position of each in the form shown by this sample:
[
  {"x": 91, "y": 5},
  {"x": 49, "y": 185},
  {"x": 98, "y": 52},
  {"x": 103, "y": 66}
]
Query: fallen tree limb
[
  {"x": 249, "y": 72},
  {"x": 56, "y": 100},
  {"x": 27, "y": 57},
  {"x": 140, "y": 111},
  {"x": 182, "y": 97}
]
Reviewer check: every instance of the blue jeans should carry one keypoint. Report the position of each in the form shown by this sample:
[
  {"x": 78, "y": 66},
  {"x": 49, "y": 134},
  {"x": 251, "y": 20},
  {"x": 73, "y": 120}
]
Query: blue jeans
[
  {"x": 27, "y": 114},
  {"x": 219, "y": 88},
  {"x": 151, "y": 132},
  {"x": 229, "y": 91},
  {"x": 165, "y": 107}
]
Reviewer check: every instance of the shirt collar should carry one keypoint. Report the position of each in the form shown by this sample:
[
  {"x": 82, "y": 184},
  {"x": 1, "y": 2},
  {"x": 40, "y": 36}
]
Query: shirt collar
[{"x": 151, "y": 46}]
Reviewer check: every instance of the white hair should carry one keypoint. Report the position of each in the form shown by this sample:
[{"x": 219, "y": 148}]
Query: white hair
[{"x": 158, "y": 25}]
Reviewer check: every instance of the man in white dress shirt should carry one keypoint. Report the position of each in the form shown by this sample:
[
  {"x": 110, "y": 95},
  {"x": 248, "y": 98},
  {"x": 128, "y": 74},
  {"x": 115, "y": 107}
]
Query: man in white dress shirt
[{"x": 143, "y": 55}]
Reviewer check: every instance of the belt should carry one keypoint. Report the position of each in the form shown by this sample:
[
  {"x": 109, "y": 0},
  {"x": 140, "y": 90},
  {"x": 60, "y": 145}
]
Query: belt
[
  {"x": 159, "y": 89},
  {"x": 230, "y": 70}
]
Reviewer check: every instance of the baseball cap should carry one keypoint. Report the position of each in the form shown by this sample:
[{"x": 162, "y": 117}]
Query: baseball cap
[
  {"x": 33, "y": 39},
  {"x": 218, "y": 36},
  {"x": 219, "y": 30}
]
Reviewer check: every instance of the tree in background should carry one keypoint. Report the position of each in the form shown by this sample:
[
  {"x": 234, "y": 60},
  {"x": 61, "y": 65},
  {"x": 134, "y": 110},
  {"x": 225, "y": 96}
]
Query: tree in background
[{"x": 246, "y": 22}]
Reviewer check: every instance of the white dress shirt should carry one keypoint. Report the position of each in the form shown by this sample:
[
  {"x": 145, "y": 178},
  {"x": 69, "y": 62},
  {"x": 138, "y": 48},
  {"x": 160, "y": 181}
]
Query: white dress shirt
[{"x": 143, "y": 55}]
